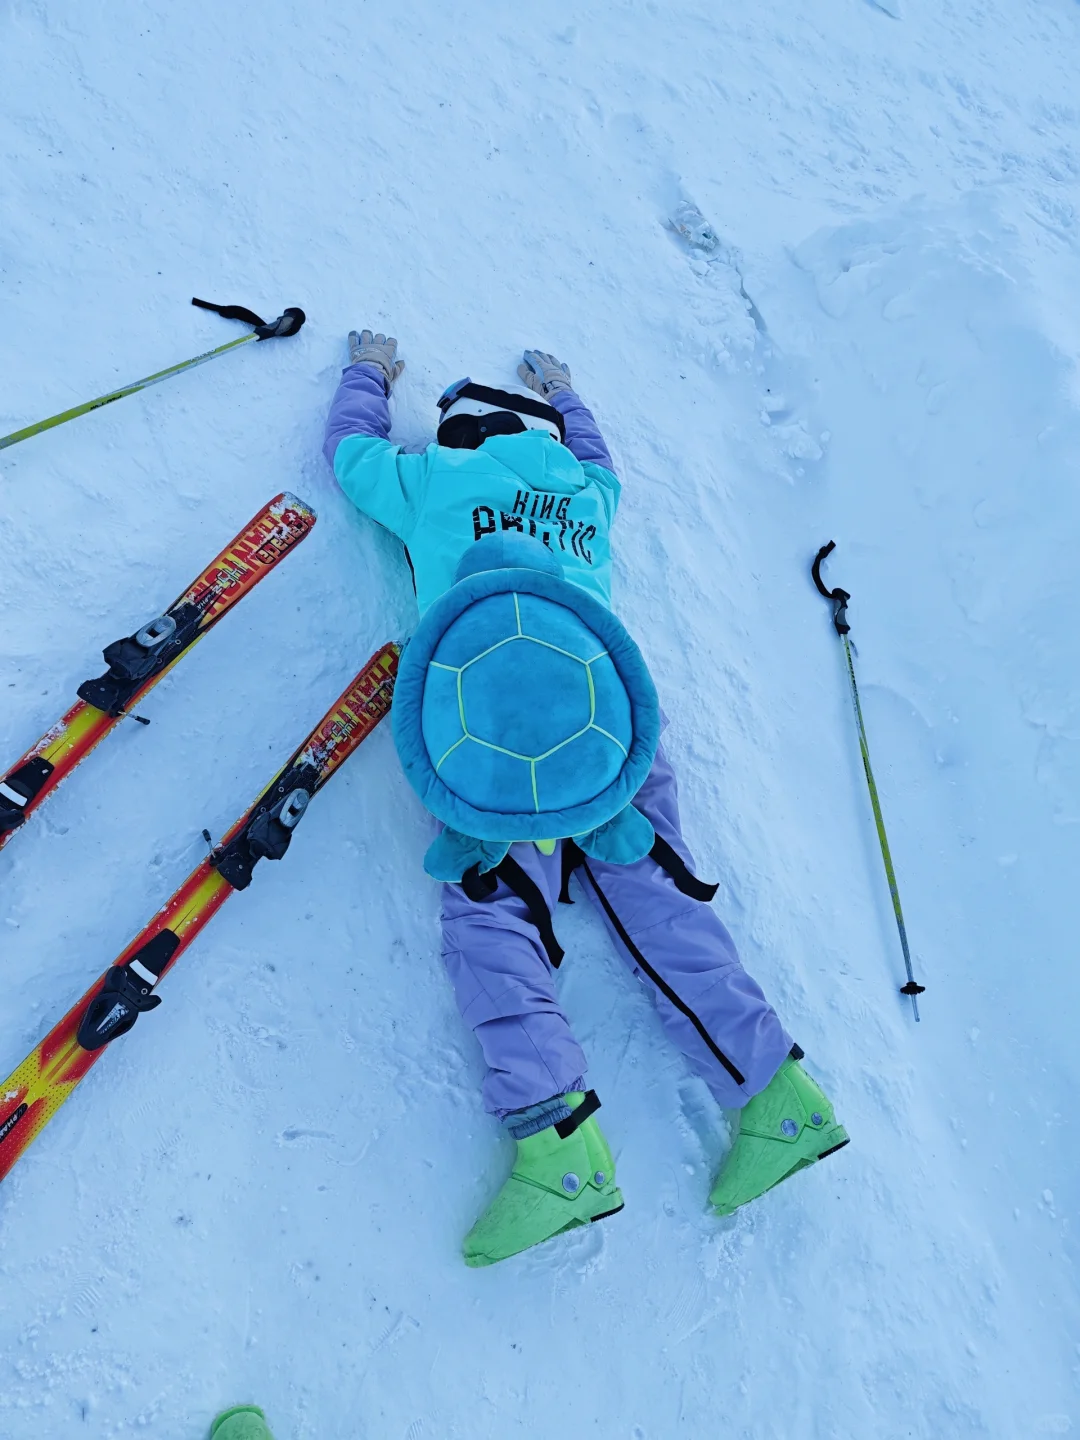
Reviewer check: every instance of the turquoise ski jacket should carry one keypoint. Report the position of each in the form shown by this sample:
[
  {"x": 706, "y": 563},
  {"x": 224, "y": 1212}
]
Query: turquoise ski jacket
[{"x": 442, "y": 501}]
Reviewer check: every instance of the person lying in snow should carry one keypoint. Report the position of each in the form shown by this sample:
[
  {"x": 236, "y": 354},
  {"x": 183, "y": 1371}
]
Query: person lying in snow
[{"x": 526, "y": 720}]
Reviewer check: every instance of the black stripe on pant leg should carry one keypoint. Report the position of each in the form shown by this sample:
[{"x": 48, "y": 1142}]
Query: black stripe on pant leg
[{"x": 662, "y": 985}]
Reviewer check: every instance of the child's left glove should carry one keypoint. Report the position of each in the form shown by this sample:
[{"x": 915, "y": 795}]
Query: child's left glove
[{"x": 378, "y": 350}]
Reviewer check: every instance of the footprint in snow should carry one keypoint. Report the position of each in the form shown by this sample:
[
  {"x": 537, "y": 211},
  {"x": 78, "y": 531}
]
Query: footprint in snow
[{"x": 737, "y": 339}]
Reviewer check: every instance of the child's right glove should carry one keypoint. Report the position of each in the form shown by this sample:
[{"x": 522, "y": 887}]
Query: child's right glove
[
  {"x": 544, "y": 374},
  {"x": 379, "y": 350}
]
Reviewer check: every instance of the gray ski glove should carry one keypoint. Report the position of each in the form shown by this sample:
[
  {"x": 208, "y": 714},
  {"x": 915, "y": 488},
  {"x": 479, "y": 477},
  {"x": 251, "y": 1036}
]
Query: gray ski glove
[
  {"x": 544, "y": 374},
  {"x": 379, "y": 350}
]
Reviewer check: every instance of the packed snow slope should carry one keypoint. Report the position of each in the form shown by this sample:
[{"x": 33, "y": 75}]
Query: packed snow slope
[{"x": 260, "y": 1193}]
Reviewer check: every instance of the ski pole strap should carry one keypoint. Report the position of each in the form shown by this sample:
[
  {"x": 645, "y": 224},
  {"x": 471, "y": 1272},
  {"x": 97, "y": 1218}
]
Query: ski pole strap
[
  {"x": 838, "y": 597},
  {"x": 287, "y": 323}
]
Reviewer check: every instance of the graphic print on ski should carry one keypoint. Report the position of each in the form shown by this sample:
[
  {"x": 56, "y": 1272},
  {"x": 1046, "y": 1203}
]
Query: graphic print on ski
[
  {"x": 138, "y": 662},
  {"x": 34, "y": 1092}
]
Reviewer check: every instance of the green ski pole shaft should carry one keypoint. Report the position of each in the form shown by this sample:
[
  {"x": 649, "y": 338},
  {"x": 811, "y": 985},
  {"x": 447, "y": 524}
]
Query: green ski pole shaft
[
  {"x": 76, "y": 410},
  {"x": 883, "y": 839},
  {"x": 286, "y": 324},
  {"x": 839, "y": 600}
]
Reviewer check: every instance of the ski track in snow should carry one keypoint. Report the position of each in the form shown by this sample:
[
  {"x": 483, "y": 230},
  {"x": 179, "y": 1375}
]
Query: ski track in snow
[{"x": 261, "y": 1192}]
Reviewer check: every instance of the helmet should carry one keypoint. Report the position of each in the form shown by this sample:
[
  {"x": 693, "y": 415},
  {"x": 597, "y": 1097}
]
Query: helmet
[{"x": 471, "y": 413}]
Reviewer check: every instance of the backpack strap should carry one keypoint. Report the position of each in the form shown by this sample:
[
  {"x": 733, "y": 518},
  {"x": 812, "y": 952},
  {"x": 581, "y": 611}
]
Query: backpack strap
[
  {"x": 665, "y": 855},
  {"x": 481, "y": 888},
  {"x": 683, "y": 877},
  {"x": 573, "y": 857},
  {"x": 477, "y": 887}
]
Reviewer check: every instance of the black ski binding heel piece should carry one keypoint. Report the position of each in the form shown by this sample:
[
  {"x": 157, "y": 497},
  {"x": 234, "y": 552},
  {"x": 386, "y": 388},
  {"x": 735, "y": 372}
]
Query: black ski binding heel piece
[
  {"x": 127, "y": 993},
  {"x": 19, "y": 788}
]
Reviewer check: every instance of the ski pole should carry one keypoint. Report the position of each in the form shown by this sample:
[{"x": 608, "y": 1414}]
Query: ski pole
[
  {"x": 287, "y": 323},
  {"x": 840, "y": 600}
]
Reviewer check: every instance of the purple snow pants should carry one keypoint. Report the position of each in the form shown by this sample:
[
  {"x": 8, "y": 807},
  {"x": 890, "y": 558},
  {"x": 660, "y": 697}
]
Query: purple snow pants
[{"x": 710, "y": 1007}]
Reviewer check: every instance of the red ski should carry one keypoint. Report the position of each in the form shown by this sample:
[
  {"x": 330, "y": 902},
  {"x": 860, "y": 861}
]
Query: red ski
[{"x": 138, "y": 662}]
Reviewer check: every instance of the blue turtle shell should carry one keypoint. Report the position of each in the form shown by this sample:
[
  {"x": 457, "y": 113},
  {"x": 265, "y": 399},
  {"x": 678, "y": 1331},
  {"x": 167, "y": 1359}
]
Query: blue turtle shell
[{"x": 523, "y": 710}]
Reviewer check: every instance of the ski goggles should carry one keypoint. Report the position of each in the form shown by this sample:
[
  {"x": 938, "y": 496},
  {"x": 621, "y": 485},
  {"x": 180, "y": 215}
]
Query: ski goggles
[{"x": 452, "y": 393}]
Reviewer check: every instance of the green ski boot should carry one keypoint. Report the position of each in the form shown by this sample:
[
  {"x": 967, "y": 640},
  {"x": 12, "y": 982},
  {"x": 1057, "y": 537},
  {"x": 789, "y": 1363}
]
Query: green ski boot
[
  {"x": 556, "y": 1184},
  {"x": 242, "y": 1422},
  {"x": 788, "y": 1126}
]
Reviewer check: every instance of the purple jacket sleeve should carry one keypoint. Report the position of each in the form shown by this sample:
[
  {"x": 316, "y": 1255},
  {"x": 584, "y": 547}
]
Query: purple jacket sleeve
[
  {"x": 583, "y": 438},
  {"x": 360, "y": 407}
]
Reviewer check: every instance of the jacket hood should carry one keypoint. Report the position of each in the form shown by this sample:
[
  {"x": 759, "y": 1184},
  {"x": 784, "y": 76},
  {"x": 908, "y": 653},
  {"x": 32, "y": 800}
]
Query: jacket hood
[{"x": 537, "y": 459}]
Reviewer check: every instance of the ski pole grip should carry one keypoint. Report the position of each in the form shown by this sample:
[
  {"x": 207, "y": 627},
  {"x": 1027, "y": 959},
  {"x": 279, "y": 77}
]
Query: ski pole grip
[
  {"x": 288, "y": 323},
  {"x": 838, "y": 597}
]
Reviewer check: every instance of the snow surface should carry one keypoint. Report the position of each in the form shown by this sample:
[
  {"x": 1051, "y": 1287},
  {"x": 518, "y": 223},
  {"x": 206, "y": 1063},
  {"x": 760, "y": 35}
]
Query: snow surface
[{"x": 261, "y": 1192}]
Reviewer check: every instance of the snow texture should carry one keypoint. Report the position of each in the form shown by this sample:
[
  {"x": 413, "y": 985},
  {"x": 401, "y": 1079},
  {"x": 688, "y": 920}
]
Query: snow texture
[{"x": 260, "y": 1193}]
